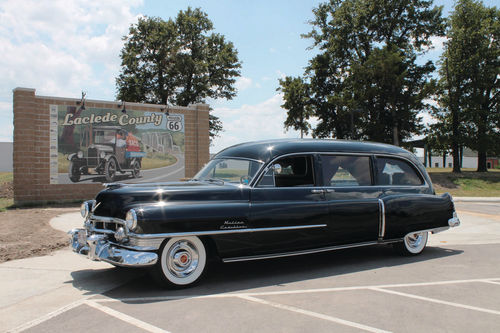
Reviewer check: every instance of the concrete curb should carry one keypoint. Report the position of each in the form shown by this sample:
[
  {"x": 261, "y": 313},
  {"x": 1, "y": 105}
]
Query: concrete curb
[{"x": 476, "y": 199}]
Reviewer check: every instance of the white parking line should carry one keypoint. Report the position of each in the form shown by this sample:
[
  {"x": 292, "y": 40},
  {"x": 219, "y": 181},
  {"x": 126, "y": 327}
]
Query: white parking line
[
  {"x": 126, "y": 318},
  {"x": 313, "y": 314},
  {"x": 492, "y": 282},
  {"x": 270, "y": 293},
  {"x": 289, "y": 292},
  {"x": 434, "y": 300},
  {"x": 48, "y": 316}
]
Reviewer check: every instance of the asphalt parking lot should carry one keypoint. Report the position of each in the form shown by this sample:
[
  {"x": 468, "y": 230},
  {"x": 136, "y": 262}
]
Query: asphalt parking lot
[{"x": 454, "y": 286}]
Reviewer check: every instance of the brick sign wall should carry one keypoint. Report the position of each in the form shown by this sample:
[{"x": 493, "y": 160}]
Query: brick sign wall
[{"x": 32, "y": 147}]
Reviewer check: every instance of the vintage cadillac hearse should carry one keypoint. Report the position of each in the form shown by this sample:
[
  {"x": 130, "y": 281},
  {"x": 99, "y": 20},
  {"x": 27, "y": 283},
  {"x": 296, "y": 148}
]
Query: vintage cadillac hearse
[{"x": 263, "y": 200}]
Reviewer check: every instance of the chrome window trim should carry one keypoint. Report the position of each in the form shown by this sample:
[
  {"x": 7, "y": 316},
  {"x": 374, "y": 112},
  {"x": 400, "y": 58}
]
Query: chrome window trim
[
  {"x": 222, "y": 232},
  {"x": 259, "y": 174}
]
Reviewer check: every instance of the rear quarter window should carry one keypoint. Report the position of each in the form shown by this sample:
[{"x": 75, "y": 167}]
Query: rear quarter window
[{"x": 394, "y": 171}]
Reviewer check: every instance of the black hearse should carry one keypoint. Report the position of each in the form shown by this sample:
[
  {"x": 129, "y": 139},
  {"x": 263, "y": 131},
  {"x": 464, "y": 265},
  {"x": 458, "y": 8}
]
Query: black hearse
[{"x": 263, "y": 200}]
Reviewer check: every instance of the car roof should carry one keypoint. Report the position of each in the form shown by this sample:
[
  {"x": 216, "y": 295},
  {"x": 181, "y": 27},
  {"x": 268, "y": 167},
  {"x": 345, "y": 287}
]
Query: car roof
[{"x": 269, "y": 149}]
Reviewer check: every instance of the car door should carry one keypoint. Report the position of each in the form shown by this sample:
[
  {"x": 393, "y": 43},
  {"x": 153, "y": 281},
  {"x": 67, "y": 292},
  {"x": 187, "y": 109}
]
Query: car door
[
  {"x": 288, "y": 199},
  {"x": 353, "y": 201}
]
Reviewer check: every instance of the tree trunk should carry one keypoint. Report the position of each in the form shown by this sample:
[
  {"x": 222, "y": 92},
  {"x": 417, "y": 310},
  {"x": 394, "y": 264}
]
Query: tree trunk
[
  {"x": 481, "y": 160},
  {"x": 430, "y": 157},
  {"x": 395, "y": 129},
  {"x": 444, "y": 159},
  {"x": 482, "y": 144}
]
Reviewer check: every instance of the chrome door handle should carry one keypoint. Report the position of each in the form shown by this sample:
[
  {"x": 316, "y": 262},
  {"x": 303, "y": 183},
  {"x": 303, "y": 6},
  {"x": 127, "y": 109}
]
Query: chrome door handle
[{"x": 317, "y": 191}]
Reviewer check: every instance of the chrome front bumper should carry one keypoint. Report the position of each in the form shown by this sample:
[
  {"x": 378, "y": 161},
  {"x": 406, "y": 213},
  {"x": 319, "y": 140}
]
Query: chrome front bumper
[{"x": 97, "y": 247}]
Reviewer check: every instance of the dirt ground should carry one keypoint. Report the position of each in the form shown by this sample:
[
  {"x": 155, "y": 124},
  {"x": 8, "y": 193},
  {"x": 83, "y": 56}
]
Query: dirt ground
[{"x": 27, "y": 232}]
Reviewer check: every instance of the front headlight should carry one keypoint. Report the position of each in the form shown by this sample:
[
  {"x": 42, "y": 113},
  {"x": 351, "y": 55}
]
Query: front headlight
[
  {"x": 131, "y": 219},
  {"x": 102, "y": 154},
  {"x": 79, "y": 154},
  {"x": 85, "y": 209}
]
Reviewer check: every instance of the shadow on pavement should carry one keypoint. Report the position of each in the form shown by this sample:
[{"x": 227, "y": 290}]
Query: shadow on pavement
[{"x": 238, "y": 276}]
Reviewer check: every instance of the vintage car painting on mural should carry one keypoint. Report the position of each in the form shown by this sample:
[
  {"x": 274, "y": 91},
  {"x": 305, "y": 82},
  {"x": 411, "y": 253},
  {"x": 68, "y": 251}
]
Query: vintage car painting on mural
[{"x": 266, "y": 199}]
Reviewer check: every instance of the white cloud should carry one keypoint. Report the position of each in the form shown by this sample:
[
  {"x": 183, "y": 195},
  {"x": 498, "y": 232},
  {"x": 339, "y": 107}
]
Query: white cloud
[
  {"x": 438, "y": 43},
  {"x": 61, "y": 47},
  {"x": 243, "y": 83},
  {"x": 252, "y": 122},
  {"x": 280, "y": 74}
]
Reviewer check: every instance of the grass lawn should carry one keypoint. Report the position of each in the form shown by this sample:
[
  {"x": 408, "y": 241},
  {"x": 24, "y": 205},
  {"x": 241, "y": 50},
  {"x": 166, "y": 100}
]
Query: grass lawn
[
  {"x": 6, "y": 199},
  {"x": 467, "y": 183},
  {"x": 6, "y": 177}
]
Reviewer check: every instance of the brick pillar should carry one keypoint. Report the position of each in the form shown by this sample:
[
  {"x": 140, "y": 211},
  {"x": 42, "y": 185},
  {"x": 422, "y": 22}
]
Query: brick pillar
[
  {"x": 202, "y": 133},
  {"x": 24, "y": 144}
]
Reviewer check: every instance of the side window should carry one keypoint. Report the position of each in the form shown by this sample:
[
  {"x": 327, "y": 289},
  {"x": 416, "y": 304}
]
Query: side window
[
  {"x": 392, "y": 171},
  {"x": 289, "y": 171},
  {"x": 341, "y": 170}
]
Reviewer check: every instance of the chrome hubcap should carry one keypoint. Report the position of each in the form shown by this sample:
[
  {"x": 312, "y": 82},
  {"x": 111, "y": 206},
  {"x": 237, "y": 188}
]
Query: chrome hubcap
[
  {"x": 182, "y": 258},
  {"x": 414, "y": 240}
]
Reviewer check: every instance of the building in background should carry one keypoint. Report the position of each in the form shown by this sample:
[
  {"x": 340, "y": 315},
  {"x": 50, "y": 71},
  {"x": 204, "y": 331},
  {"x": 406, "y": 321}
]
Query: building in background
[{"x": 6, "y": 149}]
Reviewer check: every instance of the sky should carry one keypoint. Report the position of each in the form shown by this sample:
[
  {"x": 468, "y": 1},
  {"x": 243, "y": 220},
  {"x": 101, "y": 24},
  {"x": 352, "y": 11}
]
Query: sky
[{"x": 64, "y": 47}]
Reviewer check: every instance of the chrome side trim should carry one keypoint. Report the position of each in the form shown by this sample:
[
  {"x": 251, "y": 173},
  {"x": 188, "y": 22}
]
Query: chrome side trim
[
  {"x": 381, "y": 226},
  {"x": 221, "y": 232},
  {"x": 298, "y": 253}
]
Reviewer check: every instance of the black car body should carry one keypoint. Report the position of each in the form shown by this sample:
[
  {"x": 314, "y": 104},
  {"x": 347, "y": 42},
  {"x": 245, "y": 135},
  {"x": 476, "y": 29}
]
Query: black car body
[{"x": 263, "y": 200}]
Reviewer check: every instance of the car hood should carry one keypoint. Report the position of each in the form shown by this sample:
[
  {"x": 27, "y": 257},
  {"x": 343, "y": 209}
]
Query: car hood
[
  {"x": 117, "y": 199},
  {"x": 102, "y": 147}
]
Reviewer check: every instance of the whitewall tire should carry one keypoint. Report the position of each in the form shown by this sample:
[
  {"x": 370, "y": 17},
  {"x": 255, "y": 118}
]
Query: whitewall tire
[
  {"x": 182, "y": 262},
  {"x": 413, "y": 243}
]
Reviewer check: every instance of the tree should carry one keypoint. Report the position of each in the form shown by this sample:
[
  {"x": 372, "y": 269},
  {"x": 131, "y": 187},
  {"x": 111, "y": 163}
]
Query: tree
[
  {"x": 470, "y": 76},
  {"x": 367, "y": 67},
  {"x": 178, "y": 62},
  {"x": 296, "y": 96}
]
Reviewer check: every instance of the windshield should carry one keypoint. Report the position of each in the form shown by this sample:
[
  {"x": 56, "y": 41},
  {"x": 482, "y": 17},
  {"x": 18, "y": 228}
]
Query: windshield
[
  {"x": 105, "y": 137},
  {"x": 230, "y": 170}
]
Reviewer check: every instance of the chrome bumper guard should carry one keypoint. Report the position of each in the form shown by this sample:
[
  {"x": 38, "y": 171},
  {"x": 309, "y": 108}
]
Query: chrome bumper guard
[
  {"x": 454, "y": 221},
  {"x": 97, "y": 247}
]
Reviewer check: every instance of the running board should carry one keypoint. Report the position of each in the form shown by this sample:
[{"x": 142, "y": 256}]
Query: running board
[{"x": 302, "y": 252}]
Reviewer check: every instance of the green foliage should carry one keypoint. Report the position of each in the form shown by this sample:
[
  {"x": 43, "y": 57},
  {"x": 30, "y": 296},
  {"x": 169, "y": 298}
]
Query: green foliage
[
  {"x": 365, "y": 82},
  {"x": 469, "y": 83},
  {"x": 297, "y": 102},
  {"x": 177, "y": 61}
]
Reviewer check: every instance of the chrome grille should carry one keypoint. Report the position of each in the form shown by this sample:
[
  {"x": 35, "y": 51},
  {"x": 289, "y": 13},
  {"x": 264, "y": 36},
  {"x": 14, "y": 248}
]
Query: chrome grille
[
  {"x": 92, "y": 157},
  {"x": 107, "y": 225}
]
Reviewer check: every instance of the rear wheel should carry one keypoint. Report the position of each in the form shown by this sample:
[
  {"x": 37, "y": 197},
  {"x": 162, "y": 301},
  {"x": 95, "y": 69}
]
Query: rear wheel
[
  {"x": 413, "y": 243},
  {"x": 182, "y": 262},
  {"x": 136, "y": 169}
]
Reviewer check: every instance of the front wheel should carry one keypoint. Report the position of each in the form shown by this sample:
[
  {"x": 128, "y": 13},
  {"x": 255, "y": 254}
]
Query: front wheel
[
  {"x": 182, "y": 262},
  {"x": 110, "y": 170},
  {"x": 412, "y": 244}
]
